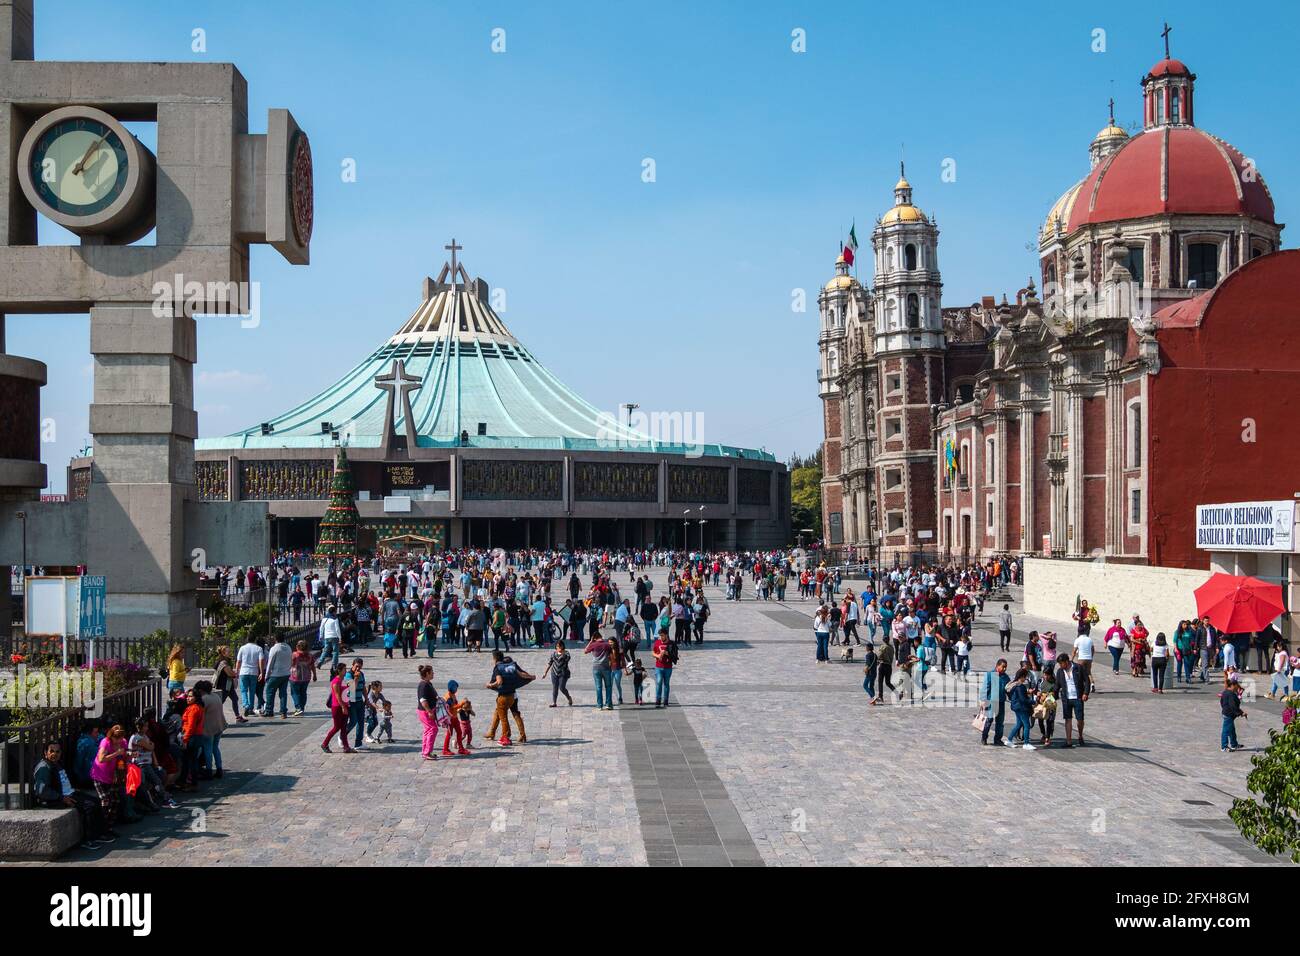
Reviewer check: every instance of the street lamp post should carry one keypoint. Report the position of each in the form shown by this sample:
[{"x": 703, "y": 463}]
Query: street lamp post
[
  {"x": 270, "y": 606},
  {"x": 22, "y": 516}
]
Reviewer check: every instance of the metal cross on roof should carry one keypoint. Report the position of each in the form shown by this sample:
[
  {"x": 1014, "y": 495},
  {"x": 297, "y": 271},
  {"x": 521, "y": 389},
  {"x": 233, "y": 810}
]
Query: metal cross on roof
[
  {"x": 453, "y": 249},
  {"x": 1168, "y": 29}
]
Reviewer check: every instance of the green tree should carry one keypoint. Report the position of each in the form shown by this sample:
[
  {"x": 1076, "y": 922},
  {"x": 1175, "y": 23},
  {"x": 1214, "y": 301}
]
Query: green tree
[
  {"x": 806, "y": 493},
  {"x": 1272, "y": 823}
]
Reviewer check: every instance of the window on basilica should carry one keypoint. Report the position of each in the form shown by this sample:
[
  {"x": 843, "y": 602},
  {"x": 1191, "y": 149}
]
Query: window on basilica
[
  {"x": 913, "y": 311},
  {"x": 909, "y": 257},
  {"x": 1133, "y": 262},
  {"x": 1202, "y": 265}
]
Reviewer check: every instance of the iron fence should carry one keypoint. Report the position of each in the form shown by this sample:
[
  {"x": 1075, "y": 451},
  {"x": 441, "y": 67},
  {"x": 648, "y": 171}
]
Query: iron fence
[
  {"x": 145, "y": 651},
  {"x": 23, "y": 745}
]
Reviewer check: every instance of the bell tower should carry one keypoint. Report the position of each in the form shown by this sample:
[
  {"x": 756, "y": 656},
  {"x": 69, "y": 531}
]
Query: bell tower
[
  {"x": 910, "y": 344},
  {"x": 841, "y": 301}
]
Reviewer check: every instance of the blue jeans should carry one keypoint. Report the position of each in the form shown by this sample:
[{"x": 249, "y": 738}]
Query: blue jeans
[
  {"x": 277, "y": 685},
  {"x": 1023, "y": 727},
  {"x": 1228, "y": 737},
  {"x": 616, "y": 676},
  {"x": 823, "y": 646},
  {"x": 604, "y": 687},
  {"x": 330, "y": 649},
  {"x": 247, "y": 690},
  {"x": 174, "y": 685},
  {"x": 1115, "y": 653},
  {"x": 298, "y": 691},
  {"x": 356, "y": 718},
  {"x": 210, "y": 747},
  {"x": 663, "y": 678}
]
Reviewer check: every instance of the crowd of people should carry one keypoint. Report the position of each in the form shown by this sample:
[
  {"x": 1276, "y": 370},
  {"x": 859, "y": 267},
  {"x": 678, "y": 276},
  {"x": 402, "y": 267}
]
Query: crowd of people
[{"x": 907, "y": 623}]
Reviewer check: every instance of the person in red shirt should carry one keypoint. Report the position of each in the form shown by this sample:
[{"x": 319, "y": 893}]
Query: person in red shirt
[
  {"x": 664, "y": 652},
  {"x": 192, "y": 734}
]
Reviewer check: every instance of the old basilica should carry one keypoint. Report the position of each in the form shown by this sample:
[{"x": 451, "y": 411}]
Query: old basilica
[{"x": 1088, "y": 416}]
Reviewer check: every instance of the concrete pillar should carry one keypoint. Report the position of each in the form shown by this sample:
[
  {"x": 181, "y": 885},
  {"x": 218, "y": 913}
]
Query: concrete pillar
[{"x": 143, "y": 421}]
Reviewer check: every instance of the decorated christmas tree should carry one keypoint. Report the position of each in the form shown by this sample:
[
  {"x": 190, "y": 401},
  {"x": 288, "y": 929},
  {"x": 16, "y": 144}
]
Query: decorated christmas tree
[{"x": 338, "y": 529}]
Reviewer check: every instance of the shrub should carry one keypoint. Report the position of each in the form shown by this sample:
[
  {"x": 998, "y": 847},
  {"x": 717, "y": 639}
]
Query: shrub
[{"x": 1272, "y": 823}]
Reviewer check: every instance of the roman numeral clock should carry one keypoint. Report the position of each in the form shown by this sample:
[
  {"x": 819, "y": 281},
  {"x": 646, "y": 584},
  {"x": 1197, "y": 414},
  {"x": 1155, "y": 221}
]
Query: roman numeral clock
[{"x": 81, "y": 168}]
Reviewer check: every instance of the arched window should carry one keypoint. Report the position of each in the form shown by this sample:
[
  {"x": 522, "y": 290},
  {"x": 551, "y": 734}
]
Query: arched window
[
  {"x": 909, "y": 257},
  {"x": 1133, "y": 262},
  {"x": 1174, "y": 112},
  {"x": 889, "y": 258},
  {"x": 913, "y": 311},
  {"x": 1202, "y": 265},
  {"x": 1051, "y": 273}
]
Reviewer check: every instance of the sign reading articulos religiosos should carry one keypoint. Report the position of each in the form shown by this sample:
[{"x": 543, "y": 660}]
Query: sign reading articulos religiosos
[{"x": 1246, "y": 526}]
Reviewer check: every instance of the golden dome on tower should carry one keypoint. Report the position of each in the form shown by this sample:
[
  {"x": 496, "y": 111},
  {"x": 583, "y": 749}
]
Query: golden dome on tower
[
  {"x": 840, "y": 282},
  {"x": 902, "y": 183},
  {"x": 903, "y": 212},
  {"x": 1111, "y": 132}
]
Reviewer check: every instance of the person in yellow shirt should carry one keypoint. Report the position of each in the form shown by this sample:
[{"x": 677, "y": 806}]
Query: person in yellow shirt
[{"x": 176, "y": 669}]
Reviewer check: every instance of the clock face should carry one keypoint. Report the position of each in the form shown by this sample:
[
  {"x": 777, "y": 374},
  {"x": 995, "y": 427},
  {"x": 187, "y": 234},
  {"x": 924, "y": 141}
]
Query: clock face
[{"x": 79, "y": 166}]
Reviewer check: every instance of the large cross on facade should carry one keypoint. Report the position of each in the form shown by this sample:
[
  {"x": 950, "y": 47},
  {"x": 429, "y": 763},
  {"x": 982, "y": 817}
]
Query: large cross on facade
[{"x": 397, "y": 382}]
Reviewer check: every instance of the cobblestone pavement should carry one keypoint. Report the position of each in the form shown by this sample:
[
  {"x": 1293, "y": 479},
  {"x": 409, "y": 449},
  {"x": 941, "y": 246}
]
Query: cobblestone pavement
[{"x": 770, "y": 759}]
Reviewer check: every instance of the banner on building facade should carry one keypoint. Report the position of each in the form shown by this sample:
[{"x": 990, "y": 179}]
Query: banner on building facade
[{"x": 1246, "y": 526}]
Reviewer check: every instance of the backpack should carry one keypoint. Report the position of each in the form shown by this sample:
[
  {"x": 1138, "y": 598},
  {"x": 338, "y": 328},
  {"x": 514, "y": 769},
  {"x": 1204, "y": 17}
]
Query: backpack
[{"x": 672, "y": 652}]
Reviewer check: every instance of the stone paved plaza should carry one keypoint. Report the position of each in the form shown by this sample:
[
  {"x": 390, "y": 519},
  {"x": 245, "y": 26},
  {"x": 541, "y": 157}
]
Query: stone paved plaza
[{"x": 769, "y": 759}]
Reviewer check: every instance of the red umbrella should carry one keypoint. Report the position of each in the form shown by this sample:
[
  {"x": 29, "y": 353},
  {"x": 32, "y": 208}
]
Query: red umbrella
[{"x": 1239, "y": 605}]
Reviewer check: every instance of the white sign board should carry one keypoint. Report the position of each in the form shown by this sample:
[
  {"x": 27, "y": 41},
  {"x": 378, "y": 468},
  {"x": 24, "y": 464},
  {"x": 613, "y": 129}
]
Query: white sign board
[
  {"x": 924, "y": 535},
  {"x": 397, "y": 504},
  {"x": 52, "y": 606},
  {"x": 1246, "y": 526}
]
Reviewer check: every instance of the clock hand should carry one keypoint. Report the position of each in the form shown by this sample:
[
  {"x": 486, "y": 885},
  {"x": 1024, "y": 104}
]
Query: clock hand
[{"x": 78, "y": 169}]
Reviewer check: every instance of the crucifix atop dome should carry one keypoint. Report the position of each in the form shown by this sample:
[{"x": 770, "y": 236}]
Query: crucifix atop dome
[
  {"x": 455, "y": 267},
  {"x": 1165, "y": 33}
]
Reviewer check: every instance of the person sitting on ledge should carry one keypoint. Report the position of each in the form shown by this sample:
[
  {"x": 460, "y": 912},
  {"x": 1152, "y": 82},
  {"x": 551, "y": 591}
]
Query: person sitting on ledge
[{"x": 52, "y": 790}]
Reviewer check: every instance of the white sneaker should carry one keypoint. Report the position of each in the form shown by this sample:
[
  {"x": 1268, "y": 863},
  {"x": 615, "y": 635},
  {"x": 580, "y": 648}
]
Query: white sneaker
[
  {"x": 1028, "y": 747},
  {"x": 359, "y": 747},
  {"x": 1007, "y": 743}
]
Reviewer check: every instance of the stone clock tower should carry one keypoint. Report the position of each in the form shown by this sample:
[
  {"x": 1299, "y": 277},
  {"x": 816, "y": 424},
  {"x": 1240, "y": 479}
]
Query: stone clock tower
[{"x": 213, "y": 189}]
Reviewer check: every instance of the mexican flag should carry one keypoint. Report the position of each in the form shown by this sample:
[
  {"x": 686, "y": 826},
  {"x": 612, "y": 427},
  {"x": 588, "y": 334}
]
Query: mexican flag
[
  {"x": 851, "y": 246},
  {"x": 848, "y": 254}
]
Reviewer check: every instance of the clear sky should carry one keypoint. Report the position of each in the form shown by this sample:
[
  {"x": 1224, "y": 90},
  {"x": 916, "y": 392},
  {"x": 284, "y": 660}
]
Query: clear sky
[{"x": 675, "y": 294}]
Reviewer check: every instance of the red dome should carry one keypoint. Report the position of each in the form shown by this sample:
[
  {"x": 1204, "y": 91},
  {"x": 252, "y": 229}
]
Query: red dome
[
  {"x": 1170, "y": 67},
  {"x": 1204, "y": 175}
]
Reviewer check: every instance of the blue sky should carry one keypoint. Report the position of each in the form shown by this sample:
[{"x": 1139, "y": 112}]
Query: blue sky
[{"x": 675, "y": 294}]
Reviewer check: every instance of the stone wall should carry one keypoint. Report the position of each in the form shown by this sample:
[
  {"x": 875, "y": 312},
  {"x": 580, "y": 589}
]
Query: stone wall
[{"x": 1162, "y": 596}]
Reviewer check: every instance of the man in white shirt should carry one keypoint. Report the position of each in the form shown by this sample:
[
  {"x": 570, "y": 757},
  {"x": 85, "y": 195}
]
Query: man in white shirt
[
  {"x": 330, "y": 636},
  {"x": 251, "y": 661},
  {"x": 1083, "y": 659}
]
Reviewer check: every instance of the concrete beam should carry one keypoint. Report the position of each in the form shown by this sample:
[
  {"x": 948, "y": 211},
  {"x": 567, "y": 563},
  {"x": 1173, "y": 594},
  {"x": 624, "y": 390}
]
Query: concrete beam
[{"x": 56, "y": 533}]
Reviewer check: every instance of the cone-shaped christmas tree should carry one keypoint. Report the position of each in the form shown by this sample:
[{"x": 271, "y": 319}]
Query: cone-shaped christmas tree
[{"x": 338, "y": 529}]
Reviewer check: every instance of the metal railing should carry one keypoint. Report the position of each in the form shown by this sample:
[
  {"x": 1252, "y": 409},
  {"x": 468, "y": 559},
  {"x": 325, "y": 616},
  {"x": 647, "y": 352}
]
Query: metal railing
[
  {"x": 23, "y": 745},
  {"x": 145, "y": 651}
]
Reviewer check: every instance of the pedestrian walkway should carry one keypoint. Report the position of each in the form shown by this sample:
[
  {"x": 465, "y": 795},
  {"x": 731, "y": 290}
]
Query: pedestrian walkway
[{"x": 766, "y": 758}]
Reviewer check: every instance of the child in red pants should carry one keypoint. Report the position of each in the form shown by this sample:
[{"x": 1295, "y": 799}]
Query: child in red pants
[
  {"x": 453, "y": 722},
  {"x": 463, "y": 715}
]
